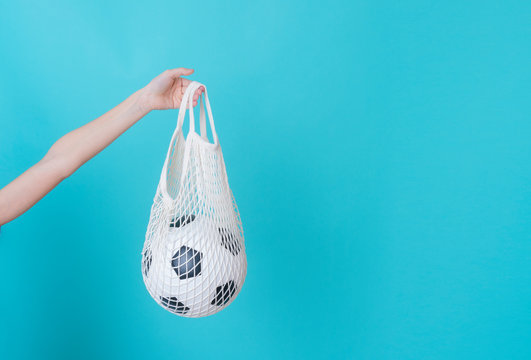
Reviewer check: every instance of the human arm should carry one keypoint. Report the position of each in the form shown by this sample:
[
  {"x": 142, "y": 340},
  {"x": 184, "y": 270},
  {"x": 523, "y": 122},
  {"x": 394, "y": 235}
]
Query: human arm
[{"x": 77, "y": 147}]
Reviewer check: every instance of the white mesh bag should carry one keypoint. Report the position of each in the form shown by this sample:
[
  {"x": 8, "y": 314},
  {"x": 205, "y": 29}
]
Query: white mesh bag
[{"x": 193, "y": 261}]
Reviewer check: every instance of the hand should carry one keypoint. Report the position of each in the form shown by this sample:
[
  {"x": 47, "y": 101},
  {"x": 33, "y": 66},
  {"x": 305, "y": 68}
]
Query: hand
[{"x": 166, "y": 90}]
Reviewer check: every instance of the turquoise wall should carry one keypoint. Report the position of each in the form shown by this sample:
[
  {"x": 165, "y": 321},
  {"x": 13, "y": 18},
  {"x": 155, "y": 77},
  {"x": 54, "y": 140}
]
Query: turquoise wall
[{"x": 379, "y": 152}]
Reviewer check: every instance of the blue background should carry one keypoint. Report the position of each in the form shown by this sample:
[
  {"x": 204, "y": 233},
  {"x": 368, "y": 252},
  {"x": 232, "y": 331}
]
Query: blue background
[{"x": 379, "y": 152}]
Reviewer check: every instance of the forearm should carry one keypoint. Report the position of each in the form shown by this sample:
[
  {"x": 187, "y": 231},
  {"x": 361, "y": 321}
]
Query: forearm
[
  {"x": 27, "y": 189},
  {"x": 67, "y": 155},
  {"x": 77, "y": 147}
]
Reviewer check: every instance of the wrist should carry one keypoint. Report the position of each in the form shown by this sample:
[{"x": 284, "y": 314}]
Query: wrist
[{"x": 142, "y": 101}]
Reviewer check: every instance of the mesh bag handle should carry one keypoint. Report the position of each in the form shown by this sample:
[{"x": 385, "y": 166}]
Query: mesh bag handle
[
  {"x": 187, "y": 104},
  {"x": 202, "y": 118}
]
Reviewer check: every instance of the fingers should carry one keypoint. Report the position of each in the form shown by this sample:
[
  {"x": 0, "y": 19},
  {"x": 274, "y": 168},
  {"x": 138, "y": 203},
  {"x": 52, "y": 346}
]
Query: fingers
[
  {"x": 175, "y": 73},
  {"x": 197, "y": 94},
  {"x": 184, "y": 84}
]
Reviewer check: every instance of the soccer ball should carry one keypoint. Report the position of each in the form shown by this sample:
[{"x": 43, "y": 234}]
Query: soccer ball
[{"x": 197, "y": 269}]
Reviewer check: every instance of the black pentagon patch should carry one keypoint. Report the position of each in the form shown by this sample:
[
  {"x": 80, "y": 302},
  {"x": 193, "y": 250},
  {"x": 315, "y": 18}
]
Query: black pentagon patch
[
  {"x": 186, "y": 262},
  {"x": 147, "y": 260},
  {"x": 177, "y": 221},
  {"x": 229, "y": 241},
  {"x": 174, "y": 305},
  {"x": 224, "y": 293}
]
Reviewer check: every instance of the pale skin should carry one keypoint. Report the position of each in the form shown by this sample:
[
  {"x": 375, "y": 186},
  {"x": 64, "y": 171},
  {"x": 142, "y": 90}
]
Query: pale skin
[{"x": 79, "y": 146}]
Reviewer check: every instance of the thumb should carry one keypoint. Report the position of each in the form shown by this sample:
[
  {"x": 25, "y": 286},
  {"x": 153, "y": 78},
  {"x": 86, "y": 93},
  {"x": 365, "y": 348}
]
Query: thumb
[{"x": 174, "y": 73}]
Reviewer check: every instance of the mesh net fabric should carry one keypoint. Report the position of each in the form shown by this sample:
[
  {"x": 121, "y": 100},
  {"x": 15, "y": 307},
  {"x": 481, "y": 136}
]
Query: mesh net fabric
[{"x": 193, "y": 261}]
